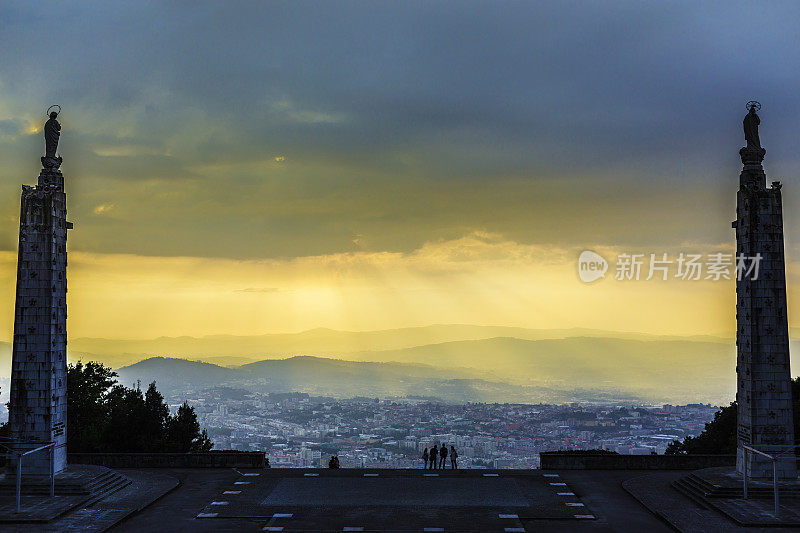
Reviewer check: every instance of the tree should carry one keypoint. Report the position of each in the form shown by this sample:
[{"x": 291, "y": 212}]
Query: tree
[
  {"x": 126, "y": 423},
  {"x": 156, "y": 416},
  {"x": 719, "y": 436},
  {"x": 183, "y": 432},
  {"x": 87, "y": 408},
  {"x": 104, "y": 416}
]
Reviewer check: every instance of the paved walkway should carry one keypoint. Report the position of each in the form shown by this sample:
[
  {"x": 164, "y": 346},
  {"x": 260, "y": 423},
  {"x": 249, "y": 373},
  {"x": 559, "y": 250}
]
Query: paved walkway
[
  {"x": 177, "y": 511},
  {"x": 397, "y": 500}
]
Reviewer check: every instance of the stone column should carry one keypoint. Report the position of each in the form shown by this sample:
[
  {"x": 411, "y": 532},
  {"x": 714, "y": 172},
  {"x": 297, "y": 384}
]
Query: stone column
[
  {"x": 763, "y": 394},
  {"x": 38, "y": 406}
]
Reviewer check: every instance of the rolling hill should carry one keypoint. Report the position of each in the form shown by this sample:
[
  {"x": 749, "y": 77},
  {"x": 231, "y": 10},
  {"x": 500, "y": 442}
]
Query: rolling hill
[{"x": 345, "y": 379}]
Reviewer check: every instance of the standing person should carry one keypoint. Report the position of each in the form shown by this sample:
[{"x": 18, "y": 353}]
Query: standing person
[
  {"x": 453, "y": 456},
  {"x": 433, "y": 454},
  {"x": 443, "y": 456},
  {"x": 425, "y": 458}
]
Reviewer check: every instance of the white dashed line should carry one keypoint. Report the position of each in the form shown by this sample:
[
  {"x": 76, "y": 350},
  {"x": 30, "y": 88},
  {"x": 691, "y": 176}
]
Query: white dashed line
[
  {"x": 241, "y": 482},
  {"x": 515, "y": 529},
  {"x": 272, "y": 528},
  {"x": 370, "y": 475},
  {"x": 250, "y": 474},
  {"x": 508, "y": 516},
  {"x": 491, "y": 475},
  {"x": 574, "y": 504},
  {"x": 311, "y": 475},
  {"x": 431, "y": 475},
  {"x": 566, "y": 494},
  {"x": 432, "y": 529},
  {"x": 591, "y": 516},
  {"x": 558, "y": 484},
  {"x": 550, "y": 475},
  {"x": 219, "y": 503},
  {"x": 282, "y": 515},
  {"x": 207, "y": 515},
  {"x": 232, "y": 492},
  {"x": 352, "y": 528}
]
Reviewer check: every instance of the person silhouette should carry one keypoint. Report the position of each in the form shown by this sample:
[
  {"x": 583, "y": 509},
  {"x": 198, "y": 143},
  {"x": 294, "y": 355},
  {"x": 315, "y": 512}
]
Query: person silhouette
[
  {"x": 433, "y": 454},
  {"x": 453, "y": 456},
  {"x": 443, "y": 456},
  {"x": 425, "y": 457}
]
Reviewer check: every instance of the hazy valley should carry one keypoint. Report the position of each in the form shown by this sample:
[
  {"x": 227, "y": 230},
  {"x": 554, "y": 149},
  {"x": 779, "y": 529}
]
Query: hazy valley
[{"x": 457, "y": 363}]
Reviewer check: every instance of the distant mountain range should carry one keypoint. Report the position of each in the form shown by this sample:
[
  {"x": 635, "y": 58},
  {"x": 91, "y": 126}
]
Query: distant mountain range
[
  {"x": 460, "y": 362},
  {"x": 347, "y": 379},
  {"x": 324, "y": 342}
]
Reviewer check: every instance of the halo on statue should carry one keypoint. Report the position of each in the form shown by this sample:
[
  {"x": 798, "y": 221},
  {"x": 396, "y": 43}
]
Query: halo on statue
[
  {"x": 47, "y": 113},
  {"x": 750, "y": 105}
]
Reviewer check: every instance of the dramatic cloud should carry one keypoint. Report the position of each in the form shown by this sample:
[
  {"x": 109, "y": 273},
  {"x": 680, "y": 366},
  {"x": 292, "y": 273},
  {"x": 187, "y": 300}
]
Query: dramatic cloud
[{"x": 251, "y": 131}]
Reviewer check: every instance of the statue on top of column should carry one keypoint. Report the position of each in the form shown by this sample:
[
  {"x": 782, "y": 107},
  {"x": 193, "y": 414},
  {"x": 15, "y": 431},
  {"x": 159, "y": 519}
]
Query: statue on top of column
[
  {"x": 753, "y": 153},
  {"x": 52, "y": 132},
  {"x": 750, "y": 123}
]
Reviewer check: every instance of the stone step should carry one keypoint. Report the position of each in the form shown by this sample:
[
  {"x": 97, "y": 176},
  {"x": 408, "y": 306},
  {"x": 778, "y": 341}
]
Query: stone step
[
  {"x": 691, "y": 492},
  {"x": 705, "y": 490},
  {"x": 701, "y": 483},
  {"x": 41, "y": 487},
  {"x": 103, "y": 478},
  {"x": 111, "y": 487}
]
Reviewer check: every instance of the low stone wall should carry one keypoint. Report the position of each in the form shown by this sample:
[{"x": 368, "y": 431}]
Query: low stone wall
[
  {"x": 219, "y": 459},
  {"x": 601, "y": 461}
]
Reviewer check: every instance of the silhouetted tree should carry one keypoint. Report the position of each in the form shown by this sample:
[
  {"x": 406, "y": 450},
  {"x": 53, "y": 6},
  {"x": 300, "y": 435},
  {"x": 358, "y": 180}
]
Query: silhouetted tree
[
  {"x": 87, "y": 408},
  {"x": 719, "y": 436},
  {"x": 157, "y": 416},
  {"x": 127, "y": 418},
  {"x": 104, "y": 416},
  {"x": 183, "y": 432}
]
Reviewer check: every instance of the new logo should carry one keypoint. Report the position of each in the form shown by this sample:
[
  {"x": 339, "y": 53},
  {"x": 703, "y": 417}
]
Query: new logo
[{"x": 591, "y": 266}]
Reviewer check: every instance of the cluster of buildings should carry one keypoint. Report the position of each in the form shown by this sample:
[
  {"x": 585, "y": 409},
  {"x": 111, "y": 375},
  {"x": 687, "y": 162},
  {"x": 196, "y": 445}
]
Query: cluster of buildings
[{"x": 299, "y": 430}]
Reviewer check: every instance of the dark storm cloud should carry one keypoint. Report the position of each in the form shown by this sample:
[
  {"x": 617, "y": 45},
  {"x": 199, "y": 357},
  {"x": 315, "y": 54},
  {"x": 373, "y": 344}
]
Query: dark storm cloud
[{"x": 401, "y": 121}]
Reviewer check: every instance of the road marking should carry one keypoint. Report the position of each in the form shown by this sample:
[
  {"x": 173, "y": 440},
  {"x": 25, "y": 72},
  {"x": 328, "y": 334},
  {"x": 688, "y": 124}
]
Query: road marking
[
  {"x": 370, "y": 475},
  {"x": 432, "y": 529},
  {"x": 311, "y": 475},
  {"x": 508, "y": 516},
  {"x": 352, "y": 528},
  {"x": 515, "y": 529},
  {"x": 566, "y": 494},
  {"x": 232, "y": 492},
  {"x": 219, "y": 503},
  {"x": 250, "y": 474},
  {"x": 282, "y": 515},
  {"x": 241, "y": 482},
  {"x": 491, "y": 475},
  {"x": 207, "y": 515},
  {"x": 550, "y": 475},
  {"x": 558, "y": 484},
  {"x": 591, "y": 516},
  {"x": 431, "y": 475},
  {"x": 272, "y": 528},
  {"x": 574, "y": 504}
]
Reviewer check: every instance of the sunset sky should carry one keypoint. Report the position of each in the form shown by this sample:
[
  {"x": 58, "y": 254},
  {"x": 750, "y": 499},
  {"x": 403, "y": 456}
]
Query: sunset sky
[{"x": 255, "y": 167}]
